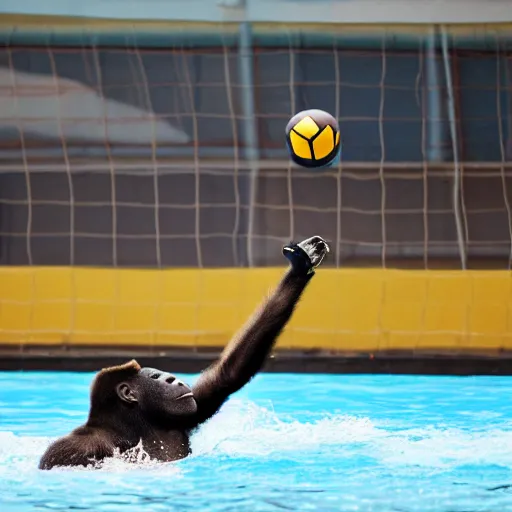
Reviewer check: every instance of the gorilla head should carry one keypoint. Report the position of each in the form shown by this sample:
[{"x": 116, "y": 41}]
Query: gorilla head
[{"x": 132, "y": 392}]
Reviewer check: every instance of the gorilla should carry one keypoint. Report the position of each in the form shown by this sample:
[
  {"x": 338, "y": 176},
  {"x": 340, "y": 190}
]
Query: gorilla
[{"x": 134, "y": 407}]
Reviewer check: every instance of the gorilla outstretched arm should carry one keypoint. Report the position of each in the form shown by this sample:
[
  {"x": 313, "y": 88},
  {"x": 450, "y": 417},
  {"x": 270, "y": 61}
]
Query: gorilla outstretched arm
[
  {"x": 245, "y": 355},
  {"x": 131, "y": 405}
]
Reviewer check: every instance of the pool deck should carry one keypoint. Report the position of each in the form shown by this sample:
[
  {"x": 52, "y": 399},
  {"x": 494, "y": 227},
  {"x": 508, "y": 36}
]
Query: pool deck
[{"x": 185, "y": 360}]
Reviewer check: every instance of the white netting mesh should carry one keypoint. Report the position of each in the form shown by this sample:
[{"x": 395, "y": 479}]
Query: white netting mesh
[{"x": 138, "y": 157}]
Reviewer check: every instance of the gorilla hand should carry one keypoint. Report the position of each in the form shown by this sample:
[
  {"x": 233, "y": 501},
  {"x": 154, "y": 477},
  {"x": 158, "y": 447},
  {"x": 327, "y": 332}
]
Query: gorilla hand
[{"x": 305, "y": 256}]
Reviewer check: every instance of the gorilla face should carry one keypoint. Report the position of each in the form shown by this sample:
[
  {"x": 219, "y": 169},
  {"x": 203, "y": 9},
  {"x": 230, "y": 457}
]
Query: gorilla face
[{"x": 160, "y": 396}]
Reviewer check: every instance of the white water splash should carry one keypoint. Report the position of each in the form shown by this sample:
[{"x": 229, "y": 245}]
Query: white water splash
[
  {"x": 447, "y": 447},
  {"x": 243, "y": 429}
]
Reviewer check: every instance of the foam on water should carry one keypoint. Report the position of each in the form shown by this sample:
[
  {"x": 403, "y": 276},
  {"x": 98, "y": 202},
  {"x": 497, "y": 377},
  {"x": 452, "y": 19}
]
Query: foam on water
[
  {"x": 244, "y": 429},
  {"x": 241, "y": 429}
]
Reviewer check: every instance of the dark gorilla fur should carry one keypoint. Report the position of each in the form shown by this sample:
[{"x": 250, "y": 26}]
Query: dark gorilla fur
[{"x": 143, "y": 407}]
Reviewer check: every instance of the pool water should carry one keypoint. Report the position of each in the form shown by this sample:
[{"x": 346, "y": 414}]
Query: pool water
[{"x": 285, "y": 442}]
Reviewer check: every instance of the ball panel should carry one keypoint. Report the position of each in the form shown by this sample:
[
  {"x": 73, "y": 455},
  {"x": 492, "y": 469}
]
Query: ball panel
[
  {"x": 323, "y": 144},
  {"x": 337, "y": 138},
  {"x": 306, "y": 127},
  {"x": 300, "y": 146},
  {"x": 310, "y": 163}
]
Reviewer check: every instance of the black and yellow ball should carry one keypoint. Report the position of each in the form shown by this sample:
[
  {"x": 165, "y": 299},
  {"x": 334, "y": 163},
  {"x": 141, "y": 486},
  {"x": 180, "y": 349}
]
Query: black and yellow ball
[{"x": 313, "y": 139}]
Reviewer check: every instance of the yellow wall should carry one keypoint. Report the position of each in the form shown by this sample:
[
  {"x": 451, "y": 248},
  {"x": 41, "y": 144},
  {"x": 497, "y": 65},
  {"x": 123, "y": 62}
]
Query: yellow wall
[{"x": 347, "y": 309}]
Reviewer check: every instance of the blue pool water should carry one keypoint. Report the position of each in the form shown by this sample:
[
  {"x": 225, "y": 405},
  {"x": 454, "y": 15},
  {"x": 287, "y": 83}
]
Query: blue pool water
[{"x": 285, "y": 442}]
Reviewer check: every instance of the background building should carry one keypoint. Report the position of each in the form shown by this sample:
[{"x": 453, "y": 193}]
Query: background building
[{"x": 145, "y": 188}]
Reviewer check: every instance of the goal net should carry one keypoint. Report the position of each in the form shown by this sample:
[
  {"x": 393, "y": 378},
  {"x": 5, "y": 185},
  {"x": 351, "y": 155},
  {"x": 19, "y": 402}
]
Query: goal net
[{"x": 126, "y": 158}]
